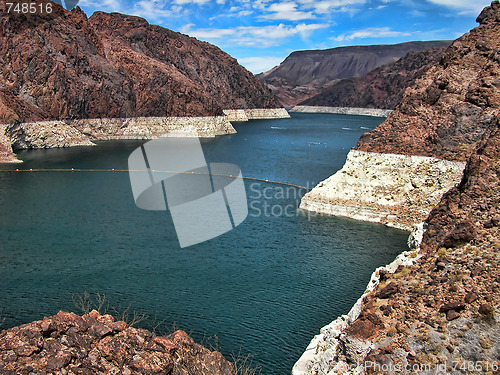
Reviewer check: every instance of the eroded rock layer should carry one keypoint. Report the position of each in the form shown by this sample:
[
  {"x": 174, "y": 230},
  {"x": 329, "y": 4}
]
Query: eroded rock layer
[{"x": 395, "y": 190}]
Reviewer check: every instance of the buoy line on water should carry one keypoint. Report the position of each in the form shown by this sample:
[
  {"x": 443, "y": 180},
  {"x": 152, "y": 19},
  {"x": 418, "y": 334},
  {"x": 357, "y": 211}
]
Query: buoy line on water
[{"x": 153, "y": 171}]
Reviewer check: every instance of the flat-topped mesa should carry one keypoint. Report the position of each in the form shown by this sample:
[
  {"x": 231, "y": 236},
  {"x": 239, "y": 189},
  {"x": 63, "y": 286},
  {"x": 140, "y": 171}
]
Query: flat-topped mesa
[
  {"x": 97, "y": 344},
  {"x": 382, "y": 88},
  {"x": 304, "y": 74}
]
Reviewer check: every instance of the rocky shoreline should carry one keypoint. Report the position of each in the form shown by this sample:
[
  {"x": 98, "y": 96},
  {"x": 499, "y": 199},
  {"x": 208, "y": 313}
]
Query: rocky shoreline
[
  {"x": 67, "y": 133},
  {"x": 343, "y": 110},
  {"x": 316, "y": 357},
  {"x": 441, "y": 314}
]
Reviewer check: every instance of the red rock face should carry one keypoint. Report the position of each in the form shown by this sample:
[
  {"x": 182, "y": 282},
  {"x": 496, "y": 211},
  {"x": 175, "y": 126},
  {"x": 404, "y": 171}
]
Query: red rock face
[
  {"x": 111, "y": 65},
  {"x": 448, "y": 110},
  {"x": 97, "y": 344},
  {"x": 452, "y": 291},
  {"x": 383, "y": 87}
]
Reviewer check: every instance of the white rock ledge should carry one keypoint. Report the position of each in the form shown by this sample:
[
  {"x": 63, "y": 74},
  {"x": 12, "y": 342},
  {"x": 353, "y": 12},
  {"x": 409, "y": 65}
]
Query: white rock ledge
[
  {"x": 343, "y": 110},
  {"x": 255, "y": 114},
  {"x": 83, "y": 132},
  {"x": 396, "y": 190}
]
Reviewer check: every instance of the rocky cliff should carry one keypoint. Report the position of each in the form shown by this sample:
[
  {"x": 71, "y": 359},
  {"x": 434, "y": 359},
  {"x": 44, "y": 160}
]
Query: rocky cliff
[
  {"x": 64, "y": 66},
  {"x": 304, "y": 74},
  {"x": 383, "y": 87},
  {"x": 448, "y": 110},
  {"x": 114, "y": 66},
  {"x": 97, "y": 344},
  {"x": 441, "y": 314}
]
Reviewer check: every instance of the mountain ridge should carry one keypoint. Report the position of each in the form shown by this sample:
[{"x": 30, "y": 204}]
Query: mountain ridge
[
  {"x": 381, "y": 88},
  {"x": 304, "y": 74},
  {"x": 69, "y": 66}
]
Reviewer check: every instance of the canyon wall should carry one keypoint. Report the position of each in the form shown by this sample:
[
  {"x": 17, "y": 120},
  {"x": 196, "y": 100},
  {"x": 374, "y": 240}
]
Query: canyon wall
[
  {"x": 383, "y": 87},
  {"x": 64, "y": 65},
  {"x": 113, "y": 76},
  {"x": 441, "y": 313},
  {"x": 304, "y": 74}
]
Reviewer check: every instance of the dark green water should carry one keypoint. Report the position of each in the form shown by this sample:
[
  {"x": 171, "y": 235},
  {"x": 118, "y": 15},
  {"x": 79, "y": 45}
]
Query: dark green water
[{"x": 264, "y": 288}]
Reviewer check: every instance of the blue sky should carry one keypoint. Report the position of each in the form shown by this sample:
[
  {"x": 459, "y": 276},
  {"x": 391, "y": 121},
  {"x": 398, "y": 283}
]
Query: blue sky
[{"x": 261, "y": 33}]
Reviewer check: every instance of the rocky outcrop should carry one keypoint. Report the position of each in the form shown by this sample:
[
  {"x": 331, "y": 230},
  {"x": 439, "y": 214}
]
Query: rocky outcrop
[
  {"x": 6, "y": 153},
  {"x": 255, "y": 114},
  {"x": 97, "y": 344},
  {"x": 383, "y": 87},
  {"x": 304, "y": 74},
  {"x": 53, "y": 134},
  {"x": 396, "y": 190},
  {"x": 375, "y": 112},
  {"x": 441, "y": 314},
  {"x": 447, "y": 111}
]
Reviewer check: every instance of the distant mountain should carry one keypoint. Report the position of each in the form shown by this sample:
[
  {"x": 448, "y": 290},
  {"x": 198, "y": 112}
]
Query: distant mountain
[
  {"x": 64, "y": 65},
  {"x": 304, "y": 74},
  {"x": 383, "y": 87}
]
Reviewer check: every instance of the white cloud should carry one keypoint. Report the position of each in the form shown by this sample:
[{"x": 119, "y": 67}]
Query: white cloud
[
  {"x": 244, "y": 13},
  {"x": 465, "y": 6},
  {"x": 105, "y": 5},
  {"x": 151, "y": 9},
  {"x": 260, "y": 64},
  {"x": 286, "y": 11},
  {"x": 327, "y": 6},
  {"x": 370, "y": 32},
  {"x": 199, "y": 2},
  {"x": 254, "y": 36}
]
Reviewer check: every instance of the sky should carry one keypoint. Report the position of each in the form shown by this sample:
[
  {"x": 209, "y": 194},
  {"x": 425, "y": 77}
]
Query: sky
[{"x": 260, "y": 34}]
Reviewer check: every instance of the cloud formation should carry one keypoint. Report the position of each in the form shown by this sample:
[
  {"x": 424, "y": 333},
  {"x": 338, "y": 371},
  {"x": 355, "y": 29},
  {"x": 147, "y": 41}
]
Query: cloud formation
[
  {"x": 254, "y": 36},
  {"x": 370, "y": 32},
  {"x": 256, "y": 30}
]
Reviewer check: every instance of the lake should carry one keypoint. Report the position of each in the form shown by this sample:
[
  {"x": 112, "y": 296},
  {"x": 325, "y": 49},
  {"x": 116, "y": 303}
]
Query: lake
[{"x": 265, "y": 288}]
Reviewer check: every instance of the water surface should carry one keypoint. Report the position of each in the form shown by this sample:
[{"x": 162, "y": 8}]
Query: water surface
[{"x": 265, "y": 288}]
